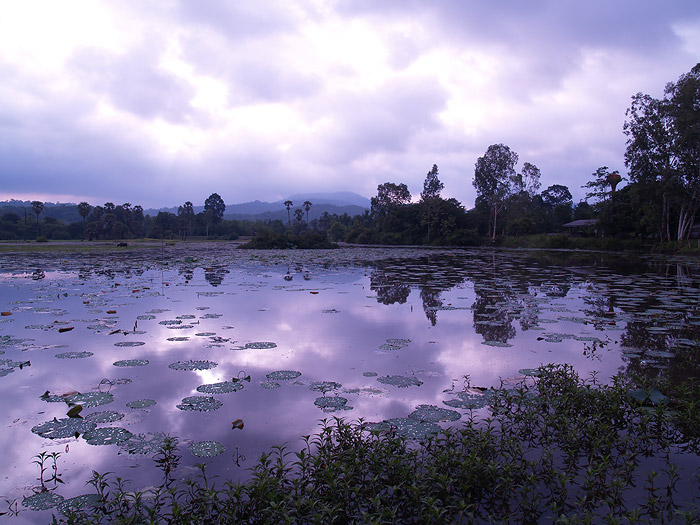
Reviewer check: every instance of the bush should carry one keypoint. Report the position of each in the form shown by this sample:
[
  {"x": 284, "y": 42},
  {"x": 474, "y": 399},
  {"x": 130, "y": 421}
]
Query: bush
[
  {"x": 561, "y": 449},
  {"x": 42, "y": 238}
]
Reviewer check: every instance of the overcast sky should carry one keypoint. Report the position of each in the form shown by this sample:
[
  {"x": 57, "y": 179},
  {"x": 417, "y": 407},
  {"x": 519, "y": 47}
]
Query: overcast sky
[{"x": 159, "y": 102}]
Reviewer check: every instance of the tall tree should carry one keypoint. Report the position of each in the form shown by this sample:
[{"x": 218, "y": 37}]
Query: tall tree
[
  {"x": 186, "y": 217},
  {"x": 493, "y": 178},
  {"x": 298, "y": 215},
  {"x": 307, "y": 206},
  {"x": 288, "y": 204},
  {"x": 389, "y": 195},
  {"x": 217, "y": 206},
  {"x": 37, "y": 208},
  {"x": 432, "y": 185},
  {"x": 528, "y": 180},
  {"x": 84, "y": 210},
  {"x": 663, "y": 150}
]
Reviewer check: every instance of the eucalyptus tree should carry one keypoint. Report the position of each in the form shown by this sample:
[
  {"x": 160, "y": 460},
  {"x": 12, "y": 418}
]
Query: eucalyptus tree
[
  {"x": 214, "y": 208},
  {"x": 494, "y": 174},
  {"x": 37, "y": 208}
]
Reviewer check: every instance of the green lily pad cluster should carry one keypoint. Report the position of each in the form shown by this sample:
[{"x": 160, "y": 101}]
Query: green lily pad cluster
[
  {"x": 434, "y": 414},
  {"x": 106, "y": 416},
  {"x": 400, "y": 381},
  {"x": 128, "y": 344},
  {"x": 199, "y": 404},
  {"x": 261, "y": 345},
  {"x": 470, "y": 400},
  {"x": 207, "y": 449},
  {"x": 131, "y": 362},
  {"x": 324, "y": 386},
  {"x": 74, "y": 355},
  {"x": 145, "y": 444},
  {"x": 193, "y": 365},
  {"x": 107, "y": 436},
  {"x": 220, "y": 388},
  {"x": 332, "y": 404},
  {"x": 141, "y": 403},
  {"x": 63, "y": 428},
  {"x": 77, "y": 503},
  {"x": 394, "y": 344},
  {"x": 283, "y": 375},
  {"x": 42, "y": 500},
  {"x": 90, "y": 399},
  {"x": 406, "y": 427}
]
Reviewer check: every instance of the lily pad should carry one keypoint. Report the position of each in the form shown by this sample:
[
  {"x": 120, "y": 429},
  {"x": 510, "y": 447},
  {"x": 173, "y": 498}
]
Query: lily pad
[
  {"x": 106, "y": 416},
  {"x": 107, "y": 436},
  {"x": 90, "y": 399},
  {"x": 324, "y": 386},
  {"x": 499, "y": 344},
  {"x": 193, "y": 365},
  {"x": 262, "y": 345},
  {"x": 63, "y": 428},
  {"x": 129, "y": 343},
  {"x": 434, "y": 414},
  {"x": 270, "y": 385},
  {"x": 207, "y": 449},
  {"x": 42, "y": 500},
  {"x": 74, "y": 355},
  {"x": 131, "y": 362},
  {"x": 400, "y": 381},
  {"x": 470, "y": 400},
  {"x": 145, "y": 317},
  {"x": 406, "y": 427},
  {"x": 534, "y": 372},
  {"x": 173, "y": 322},
  {"x": 146, "y": 444},
  {"x": 283, "y": 375},
  {"x": 78, "y": 503},
  {"x": 220, "y": 388},
  {"x": 6, "y": 371},
  {"x": 200, "y": 404},
  {"x": 141, "y": 403},
  {"x": 331, "y": 404},
  {"x": 178, "y": 338}
]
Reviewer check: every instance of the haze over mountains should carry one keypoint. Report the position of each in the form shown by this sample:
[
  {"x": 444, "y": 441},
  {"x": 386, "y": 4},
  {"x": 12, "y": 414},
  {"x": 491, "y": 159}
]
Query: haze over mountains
[{"x": 336, "y": 202}]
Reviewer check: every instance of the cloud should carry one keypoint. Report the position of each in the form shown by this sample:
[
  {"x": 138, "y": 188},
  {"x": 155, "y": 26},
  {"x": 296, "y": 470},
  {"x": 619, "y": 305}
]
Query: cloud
[{"x": 258, "y": 101}]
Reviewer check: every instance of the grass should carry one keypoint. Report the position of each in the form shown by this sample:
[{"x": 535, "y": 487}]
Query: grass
[{"x": 558, "y": 449}]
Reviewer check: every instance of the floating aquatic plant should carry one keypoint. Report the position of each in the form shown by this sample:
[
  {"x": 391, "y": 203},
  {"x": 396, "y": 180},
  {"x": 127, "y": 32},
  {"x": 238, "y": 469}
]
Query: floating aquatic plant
[
  {"x": 107, "y": 436},
  {"x": 400, "y": 381},
  {"x": 283, "y": 375},
  {"x": 324, "y": 386},
  {"x": 406, "y": 427},
  {"x": 200, "y": 404},
  {"x": 220, "y": 388},
  {"x": 500, "y": 344},
  {"x": 74, "y": 355},
  {"x": 42, "y": 500},
  {"x": 78, "y": 503},
  {"x": 90, "y": 399},
  {"x": 332, "y": 404},
  {"x": 145, "y": 317},
  {"x": 261, "y": 345},
  {"x": 146, "y": 444},
  {"x": 470, "y": 399},
  {"x": 141, "y": 403},
  {"x": 205, "y": 334},
  {"x": 172, "y": 322},
  {"x": 434, "y": 414},
  {"x": 178, "y": 338},
  {"x": 370, "y": 374},
  {"x": 129, "y": 343},
  {"x": 269, "y": 385},
  {"x": 193, "y": 365},
  {"x": 63, "y": 428},
  {"x": 106, "y": 416},
  {"x": 207, "y": 449},
  {"x": 131, "y": 362}
]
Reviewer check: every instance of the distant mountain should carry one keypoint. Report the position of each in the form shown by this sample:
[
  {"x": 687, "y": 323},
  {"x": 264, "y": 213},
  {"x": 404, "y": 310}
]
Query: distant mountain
[{"x": 338, "y": 202}]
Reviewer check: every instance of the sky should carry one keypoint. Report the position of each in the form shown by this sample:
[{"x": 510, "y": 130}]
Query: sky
[{"x": 157, "y": 103}]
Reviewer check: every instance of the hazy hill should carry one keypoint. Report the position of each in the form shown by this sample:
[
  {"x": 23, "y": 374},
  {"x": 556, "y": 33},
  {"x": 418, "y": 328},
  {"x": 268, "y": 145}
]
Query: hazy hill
[{"x": 339, "y": 202}]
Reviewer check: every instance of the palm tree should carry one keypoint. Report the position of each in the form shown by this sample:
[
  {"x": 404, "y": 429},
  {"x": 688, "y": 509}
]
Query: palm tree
[
  {"x": 84, "y": 211},
  {"x": 307, "y": 206},
  {"x": 288, "y": 204},
  {"x": 37, "y": 207}
]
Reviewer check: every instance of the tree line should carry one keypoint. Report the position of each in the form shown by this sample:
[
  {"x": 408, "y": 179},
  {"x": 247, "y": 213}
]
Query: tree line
[{"x": 659, "y": 202}]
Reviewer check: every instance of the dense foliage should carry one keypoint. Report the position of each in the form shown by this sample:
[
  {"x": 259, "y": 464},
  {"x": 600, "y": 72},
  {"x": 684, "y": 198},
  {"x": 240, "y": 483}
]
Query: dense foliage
[{"x": 559, "y": 449}]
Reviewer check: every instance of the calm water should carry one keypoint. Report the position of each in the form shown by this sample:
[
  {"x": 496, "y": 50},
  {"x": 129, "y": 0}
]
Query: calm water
[{"x": 368, "y": 320}]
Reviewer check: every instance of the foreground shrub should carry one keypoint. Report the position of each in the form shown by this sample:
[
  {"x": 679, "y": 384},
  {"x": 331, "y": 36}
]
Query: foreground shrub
[{"x": 556, "y": 450}]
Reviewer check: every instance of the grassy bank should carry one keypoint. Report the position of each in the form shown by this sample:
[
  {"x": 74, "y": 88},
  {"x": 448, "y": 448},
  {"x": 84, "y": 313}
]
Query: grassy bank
[{"x": 556, "y": 449}]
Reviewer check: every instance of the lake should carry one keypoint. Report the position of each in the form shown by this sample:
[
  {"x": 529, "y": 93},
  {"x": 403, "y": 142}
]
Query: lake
[{"x": 234, "y": 351}]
